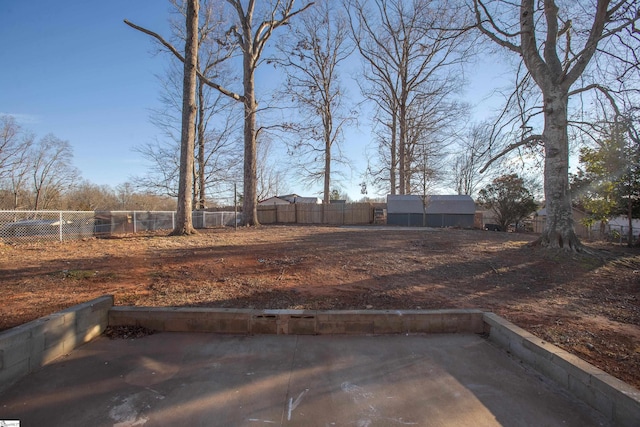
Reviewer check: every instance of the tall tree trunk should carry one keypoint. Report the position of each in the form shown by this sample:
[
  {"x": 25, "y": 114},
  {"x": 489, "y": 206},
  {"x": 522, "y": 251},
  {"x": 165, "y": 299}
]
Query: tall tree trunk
[
  {"x": 201, "y": 149},
  {"x": 36, "y": 203},
  {"x": 402, "y": 149},
  {"x": 250, "y": 196},
  {"x": 629, "y": 216},
  {"x": 558, "y": 231},
  {"x": 328, "y": 130},
  {"x": 184, "y": 224},
  {"x": 394, "y": 153}
]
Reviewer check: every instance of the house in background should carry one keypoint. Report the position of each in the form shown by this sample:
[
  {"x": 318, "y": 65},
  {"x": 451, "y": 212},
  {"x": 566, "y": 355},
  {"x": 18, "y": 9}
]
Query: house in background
[
  {"x": 540, "y": 217},
  {"x": 290, "y": 199},
  {"x": 275, "y": 200},
  {"x": 431, "y": 211}
]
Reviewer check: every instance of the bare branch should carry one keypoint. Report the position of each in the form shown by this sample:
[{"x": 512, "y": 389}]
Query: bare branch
[
  {"x": 479, "y": 23},
  {"x": 605, "y": 91},
  {"x": 599, "y": 21},
  {"x": 527, "y": 141},
  {"x": 173, "y": 50}
]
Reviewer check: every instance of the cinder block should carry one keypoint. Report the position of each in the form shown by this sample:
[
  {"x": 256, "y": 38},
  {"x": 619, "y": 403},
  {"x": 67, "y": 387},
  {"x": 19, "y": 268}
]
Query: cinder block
[
  {"x": 511, "y": 337},
  {"x": 455, "y": 322},
  {"x": 327, "y": 327},
  {"x": 119, "y": 316},
  {"x": 83, "y": 337},
  {"x": 57, "y": 324},
  {"x": 362, "y": 327},
  {"x": 264, "y": 323},
  {"x": 626, "y": 410},
  {"x": 54, "y": 336},
  {"x": 184, "y": 319},
  {"x": 390, "y": 322},
  {"x": 57, "y": 345},
  {"x": 333, "y": 322},
  {"x": 28, "y": 347},
  {"x": 625, "y": 398},
  {"x": 428, "y": 323},
  {"x": 304, "y": 324},
  {"x": 552, "y": 371},
  {"x": 155, "y": 323},
  {"x": 15, "y": 352},
  {"x": 500, "y": 337},
  {"x": 539, "y": 346},
  {"x": 462, "y": 321},
  {"x": 11, "y": 374},
  {"x": 591, "y": 396},
  {"x": 477, "y": 322},
  {"x": 88, "y": 318},
  {"x": 102, "y": 304},
  {"x": 14, "y": 343},
  {"x": 15, "y": 335},
  {"x": 576, "y": 367},
  {"x": 613, "y": 398}
]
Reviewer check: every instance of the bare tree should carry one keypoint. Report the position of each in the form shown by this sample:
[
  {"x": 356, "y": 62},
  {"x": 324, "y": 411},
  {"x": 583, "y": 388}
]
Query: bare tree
[
  {"x": 11, "y": 144},
  {"x": 15, "y": 163},
  {"x": 311, "y": 55},
  {"x": 52, "y": 171},
  {"x": 432, "y": 116},
  {"x": 272, "y": 176},
  {"x": 558, "y": 41},
  {"x": 215, "y": 119},
  {"x": 128, "y": 198},
  {"x": 86, "y": 196},
  {"x": 218, "y": 160},
  {"x": 383, "y": 169},
  {"x": 252, "y": 37},
  {"x": 184, "y": 224},
  {"x": 161, "y": 176},
  {"x": 471, "y": 156},
  {"x": 409, "y": 52}
]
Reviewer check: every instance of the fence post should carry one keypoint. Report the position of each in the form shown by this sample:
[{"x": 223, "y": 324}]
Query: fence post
[
  {"x": 60, "y": 225},
  {"x": 173, "y": 220},
  {"x": 135, "y": 227}
]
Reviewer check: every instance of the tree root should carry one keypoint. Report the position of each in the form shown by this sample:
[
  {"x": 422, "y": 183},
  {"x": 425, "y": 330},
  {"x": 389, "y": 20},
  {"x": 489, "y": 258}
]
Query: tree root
[{"x": 183, "y": 232}]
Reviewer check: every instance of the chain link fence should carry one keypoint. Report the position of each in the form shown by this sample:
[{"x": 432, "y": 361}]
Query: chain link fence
[
  {"x": 36, "y": 226},
  {"x": 30, "y": 226}
]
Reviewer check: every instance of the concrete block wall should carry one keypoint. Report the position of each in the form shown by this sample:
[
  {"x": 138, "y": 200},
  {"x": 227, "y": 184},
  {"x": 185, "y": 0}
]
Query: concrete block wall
[
  {"x": 615, "y": 399},
  {"x": 28, "y": 347},
  {"x": 298, "y": 322}
]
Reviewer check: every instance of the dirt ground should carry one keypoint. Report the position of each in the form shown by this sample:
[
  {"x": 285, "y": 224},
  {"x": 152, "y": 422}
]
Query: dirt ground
[{"x": 588, "y": 305}]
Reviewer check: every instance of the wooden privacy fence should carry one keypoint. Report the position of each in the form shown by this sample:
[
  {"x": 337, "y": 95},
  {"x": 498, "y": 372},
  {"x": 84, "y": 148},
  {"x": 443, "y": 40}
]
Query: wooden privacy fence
[{"x": 300, "y": 213}]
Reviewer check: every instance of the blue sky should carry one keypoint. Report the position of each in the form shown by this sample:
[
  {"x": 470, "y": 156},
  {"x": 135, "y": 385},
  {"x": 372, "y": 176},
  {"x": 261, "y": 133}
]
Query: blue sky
[{"x": 74, "y": 69}]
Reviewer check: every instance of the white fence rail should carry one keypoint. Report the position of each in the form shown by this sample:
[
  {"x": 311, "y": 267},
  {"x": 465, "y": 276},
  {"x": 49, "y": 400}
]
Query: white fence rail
[{"x": 34, "y": 226}]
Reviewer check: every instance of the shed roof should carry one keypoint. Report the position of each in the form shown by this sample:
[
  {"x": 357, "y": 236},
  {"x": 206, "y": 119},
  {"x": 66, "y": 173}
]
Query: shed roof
[
  {"x": 431, "y": 204},
  {"x": 274, "y": 201}
]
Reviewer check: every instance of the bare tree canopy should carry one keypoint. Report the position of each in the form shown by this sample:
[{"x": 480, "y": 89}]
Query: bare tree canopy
[
  {"x": 52, "y": 170},
  {"x": 182, "y": 59},
  {"x": 310, "y": 56},
  {"x": 12, "y": 142},
  {"x": 252, "y": 35},
  {"x": 471, "y": 153},
  {"x": 217, "y": 157},
  {"x": 567, "y": 48},
  {"x": 412, "y": 53}
]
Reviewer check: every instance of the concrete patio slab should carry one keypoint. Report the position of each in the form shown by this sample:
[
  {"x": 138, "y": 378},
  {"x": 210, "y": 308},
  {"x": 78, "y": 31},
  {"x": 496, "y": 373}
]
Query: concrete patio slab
[{"x": 201, "y": 379}]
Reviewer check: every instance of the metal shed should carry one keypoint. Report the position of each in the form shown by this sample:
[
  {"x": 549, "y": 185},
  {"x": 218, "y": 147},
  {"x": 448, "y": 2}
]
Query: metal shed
[{"x": 431, "y": 211}]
